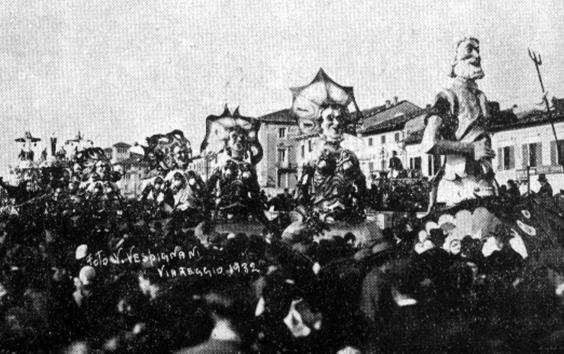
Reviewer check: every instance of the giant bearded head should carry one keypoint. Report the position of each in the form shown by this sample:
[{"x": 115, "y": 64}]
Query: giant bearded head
[{"x": 467, "y": 62}]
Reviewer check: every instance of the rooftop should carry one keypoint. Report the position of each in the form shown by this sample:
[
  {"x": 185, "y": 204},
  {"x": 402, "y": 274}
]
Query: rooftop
[
  {"x": 391, "y": 118},
  {"x": 283, "y": 116},
  {"x": 506, "y": 120}
]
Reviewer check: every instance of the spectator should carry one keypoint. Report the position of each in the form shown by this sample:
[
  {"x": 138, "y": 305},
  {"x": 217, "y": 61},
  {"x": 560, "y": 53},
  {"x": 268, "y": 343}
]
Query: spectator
[
  {"x": 395, "y": 165},
  {"x": 545, "y": 190}
]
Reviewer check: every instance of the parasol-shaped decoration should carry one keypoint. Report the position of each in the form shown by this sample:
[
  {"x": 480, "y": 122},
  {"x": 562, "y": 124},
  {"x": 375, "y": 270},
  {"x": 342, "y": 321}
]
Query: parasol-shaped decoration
[
  {"x": 309, "y": 100},
  {"x": 219, "y": 127},
  {"x": 28, "y": 137}
]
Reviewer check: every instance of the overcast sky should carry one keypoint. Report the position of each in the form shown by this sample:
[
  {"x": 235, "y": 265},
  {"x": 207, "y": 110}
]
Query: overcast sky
[{"x": 123, "y": 70}]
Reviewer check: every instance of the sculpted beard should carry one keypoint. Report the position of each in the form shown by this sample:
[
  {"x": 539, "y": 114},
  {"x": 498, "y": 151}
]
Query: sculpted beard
[{"x": 466, "y": 69}]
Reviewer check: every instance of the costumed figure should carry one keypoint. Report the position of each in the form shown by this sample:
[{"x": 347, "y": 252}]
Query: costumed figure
[
  {"x": 26, "y": 155},
  {"x": 189, "y": 196},
  {"x": 464, "y": 203},
  {"x": 97, "y": 177},
  {"x": 233, "y": 185},
  {"x": 27, "y": 175},
  {"x": 332, "y": 189},
  {"x": 457, "y": 128},
  {"x": 174, "y": 188}
]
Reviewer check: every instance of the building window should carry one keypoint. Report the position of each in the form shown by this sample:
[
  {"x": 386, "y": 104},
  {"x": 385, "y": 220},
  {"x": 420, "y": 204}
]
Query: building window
[
  {"x": 310, "y": 149},
  {"x": 557, "y": 152},
  {"x": 282, "y": 132},
  {"x": 397, "y": 137},
  {"x": 415, "y": 163},
  {"x": 383, "y": 139},
  {"x": 282, "y": 155},
  {"x": 369, "y": 141},
  {"x": 303, "y": 151},
  {"x": 532, "y": 155},
  {"x": 506, "y": 158}
]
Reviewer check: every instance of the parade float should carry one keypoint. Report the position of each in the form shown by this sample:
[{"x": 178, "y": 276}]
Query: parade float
[
  {"x": 232, "y": 148},
  {"x": 77, "y": 166},
  {"x": 465, "y": 206},
  {"x": 332, "y": 189},
  {"x": 173, "y": 187}
]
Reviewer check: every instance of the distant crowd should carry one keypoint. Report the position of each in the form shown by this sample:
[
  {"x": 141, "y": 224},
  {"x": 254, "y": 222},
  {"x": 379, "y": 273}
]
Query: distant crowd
[{"x": 110, "y": 275}]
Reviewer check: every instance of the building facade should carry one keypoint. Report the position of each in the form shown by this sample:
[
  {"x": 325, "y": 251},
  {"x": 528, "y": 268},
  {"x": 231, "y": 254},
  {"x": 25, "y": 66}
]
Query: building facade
[
  {"x": 522, "y": 142},
  {"x": 278, "y": 169},
  {"x": 383, "y": 133},
  {"x": 132, "y": 166},
  {"x": 529, "y": 144}
]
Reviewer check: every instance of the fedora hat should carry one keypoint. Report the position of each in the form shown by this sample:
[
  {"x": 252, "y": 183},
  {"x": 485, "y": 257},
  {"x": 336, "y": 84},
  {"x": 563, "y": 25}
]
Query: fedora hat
[{"x": 542, "y": 177}]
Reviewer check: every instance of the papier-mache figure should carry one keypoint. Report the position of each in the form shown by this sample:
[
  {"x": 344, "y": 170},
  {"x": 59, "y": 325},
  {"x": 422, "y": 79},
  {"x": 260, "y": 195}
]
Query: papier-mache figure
[
  {"x": 457, "y": 128},
  {"x": 96, "y": 174},
  {"x": 464, "y": 206},
  {"x": 332, "y": 185},
  {"x": 166, "y": 152},
  {"x": 26, "y": 154},
  {"x": 189, "y": 195},
  {"x": 232, "y": 139},
  {"x": 175, "y": 187}
]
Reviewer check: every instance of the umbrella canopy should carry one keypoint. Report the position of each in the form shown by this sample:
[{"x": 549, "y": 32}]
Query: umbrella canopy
[{"x": 309, "y": 100}]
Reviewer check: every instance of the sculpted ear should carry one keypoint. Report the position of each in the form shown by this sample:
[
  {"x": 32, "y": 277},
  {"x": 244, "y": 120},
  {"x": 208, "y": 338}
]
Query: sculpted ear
[{"x": 256, "y": 152}]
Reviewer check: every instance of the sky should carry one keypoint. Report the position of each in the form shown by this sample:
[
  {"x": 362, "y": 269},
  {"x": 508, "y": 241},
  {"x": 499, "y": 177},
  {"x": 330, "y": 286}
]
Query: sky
[{"x": 123, "y": 70}]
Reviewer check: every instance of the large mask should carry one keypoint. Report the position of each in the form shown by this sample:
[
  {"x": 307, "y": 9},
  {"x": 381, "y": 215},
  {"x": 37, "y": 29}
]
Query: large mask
[
  {"x": 92, "y": 162},
  {"x": 168, "y": 151},
  {"x": 233, "y": 133},
  {"x": 321, "y": 107},
  {"x": 468, "y": 63}
]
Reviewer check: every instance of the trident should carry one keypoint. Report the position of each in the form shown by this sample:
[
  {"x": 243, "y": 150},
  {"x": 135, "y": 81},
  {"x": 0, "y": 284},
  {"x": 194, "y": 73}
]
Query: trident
[{"x": 536, "y": 58}]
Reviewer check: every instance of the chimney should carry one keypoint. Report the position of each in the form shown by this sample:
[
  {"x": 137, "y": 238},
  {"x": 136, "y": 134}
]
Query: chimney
[
  {"x": 395, "y": 100},
  {"x": 388, "y": 104}
]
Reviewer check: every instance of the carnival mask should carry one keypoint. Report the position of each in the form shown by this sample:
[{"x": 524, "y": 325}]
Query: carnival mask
[
  {"x": 332, "y": 123},
  {"x": 237, "y": 143},
  {"x": 467, "y": 63}
]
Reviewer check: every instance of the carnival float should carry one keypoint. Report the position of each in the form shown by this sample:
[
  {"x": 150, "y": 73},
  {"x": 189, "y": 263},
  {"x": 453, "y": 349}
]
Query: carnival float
[
  {"x": 465, "y": 206},
  {"x": 330, "y": 197}
]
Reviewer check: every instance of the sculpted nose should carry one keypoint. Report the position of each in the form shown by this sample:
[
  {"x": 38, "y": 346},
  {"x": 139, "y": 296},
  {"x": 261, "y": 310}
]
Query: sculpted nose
[{"x": 336, "y": 122}]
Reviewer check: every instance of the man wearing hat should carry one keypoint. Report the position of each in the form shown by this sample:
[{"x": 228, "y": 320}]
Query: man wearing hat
[{"x": 545, "y": 190}]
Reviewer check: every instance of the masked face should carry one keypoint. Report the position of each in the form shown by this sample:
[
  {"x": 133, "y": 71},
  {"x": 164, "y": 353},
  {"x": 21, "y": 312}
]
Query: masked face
[
  {"x": 103, "y": 169},
  {"x": 177, "y": 183},
  {"x": 332, "y": 124},
  {"x": 237, "y": 143},
  {"x": 468, "y": 61},
  {"x": 181, "y": 156}
]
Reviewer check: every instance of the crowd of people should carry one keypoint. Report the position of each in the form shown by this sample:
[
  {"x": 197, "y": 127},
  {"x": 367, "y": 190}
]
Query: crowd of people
[
  {"x": 98, "y": 274},
  {"x": 399, "y": 194}
]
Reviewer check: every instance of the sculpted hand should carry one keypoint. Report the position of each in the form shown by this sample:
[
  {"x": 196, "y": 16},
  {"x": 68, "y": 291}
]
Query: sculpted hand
[{"x": 482, "y": 150}]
